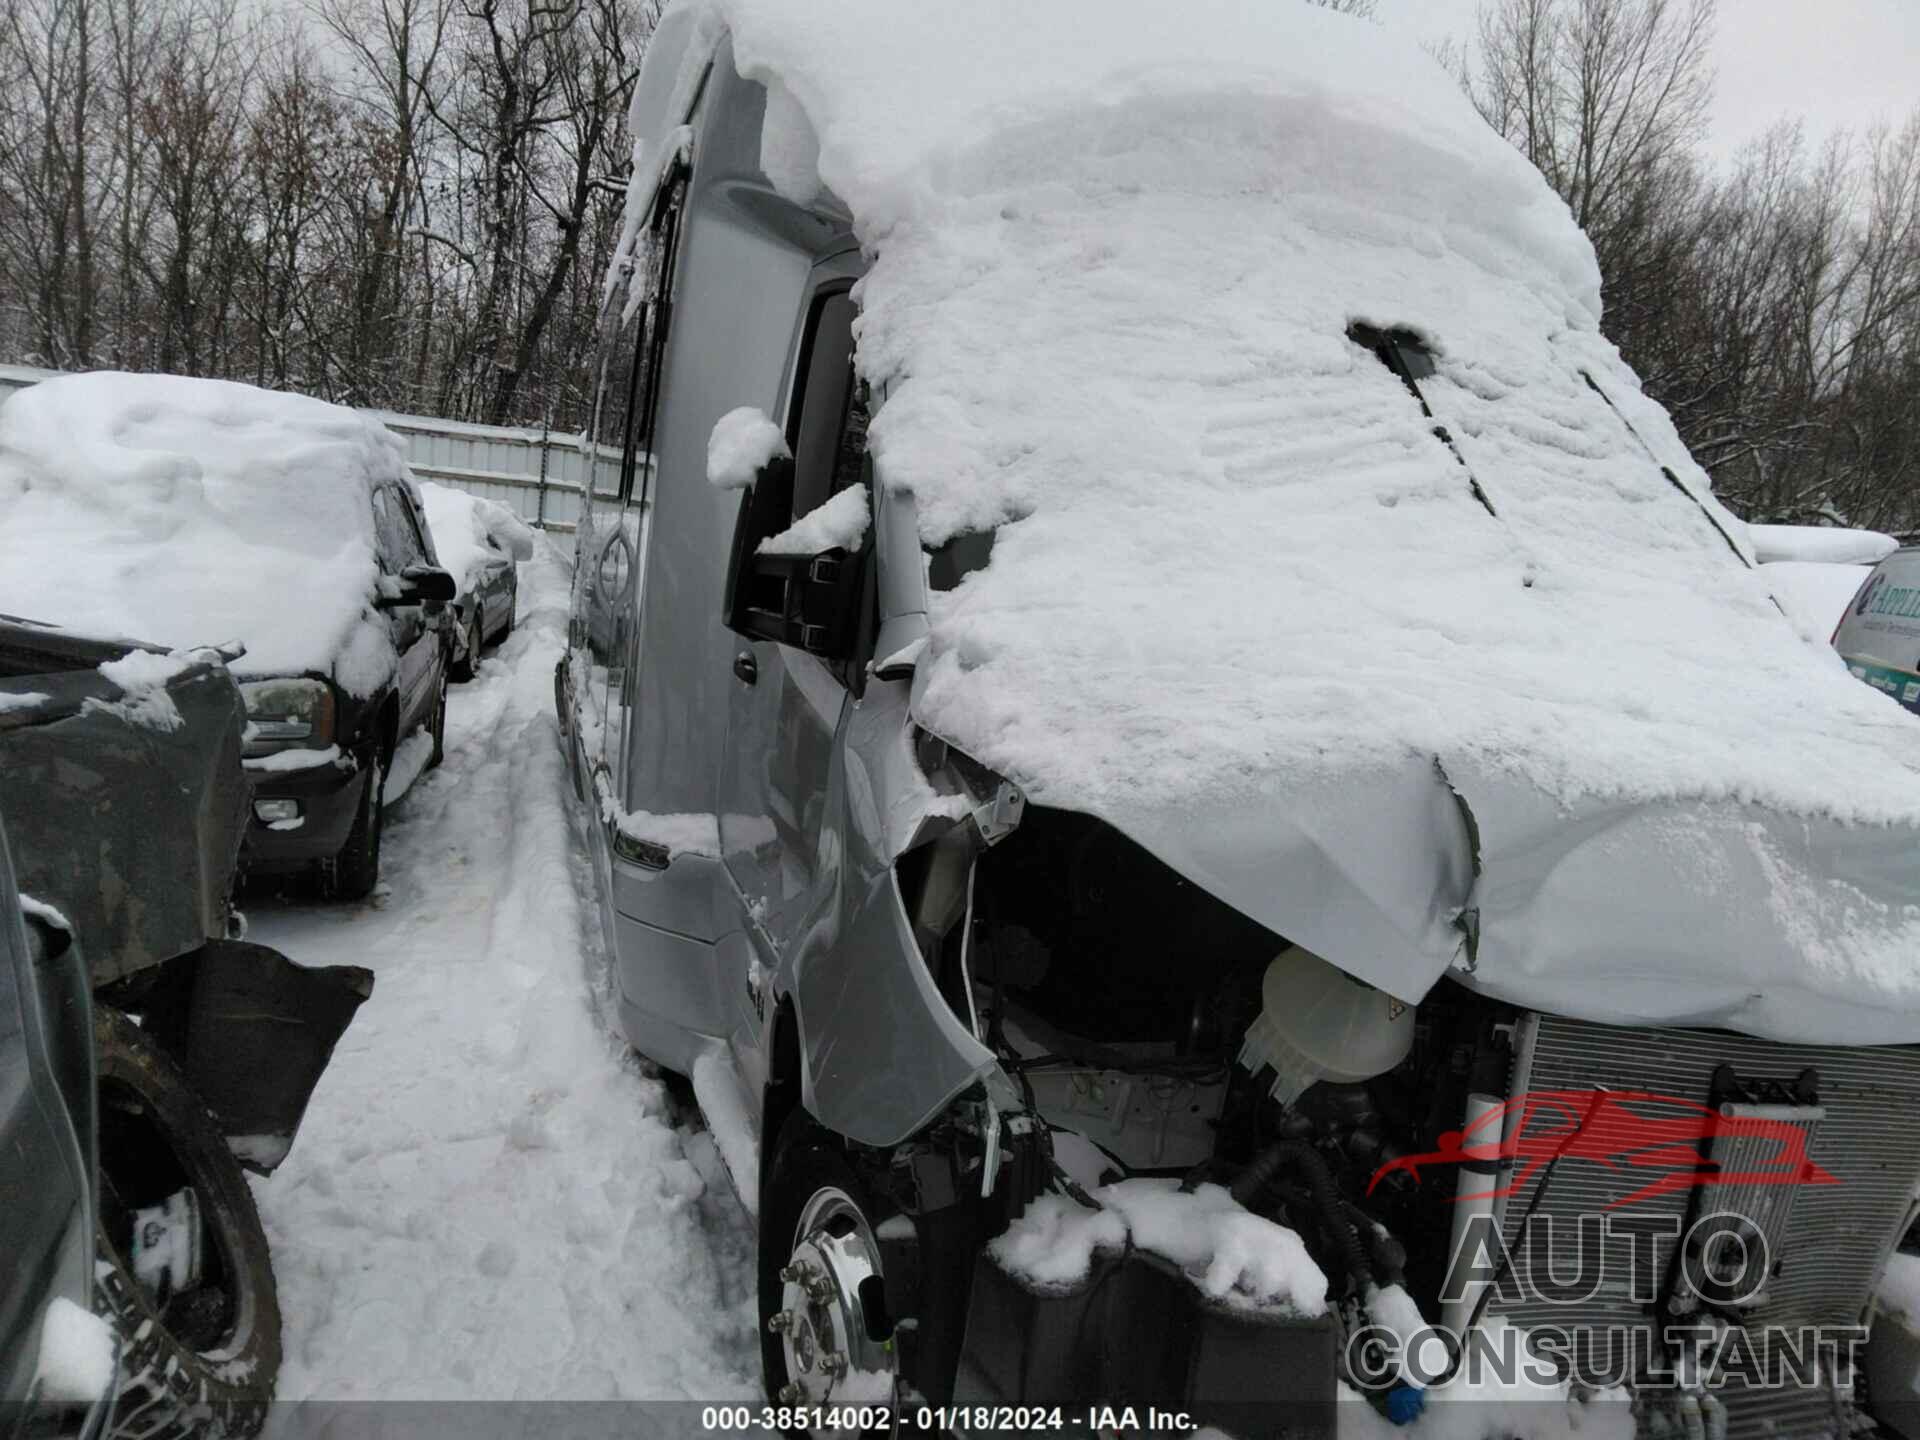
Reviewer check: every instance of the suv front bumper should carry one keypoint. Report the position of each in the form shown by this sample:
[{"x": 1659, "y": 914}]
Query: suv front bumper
[{"x": 328, "y": 796}]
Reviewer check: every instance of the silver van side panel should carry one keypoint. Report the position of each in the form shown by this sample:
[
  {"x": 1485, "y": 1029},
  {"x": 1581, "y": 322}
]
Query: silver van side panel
[
  {"x": 666, "y": 991},
  {"x": 881, "y": 1051}
]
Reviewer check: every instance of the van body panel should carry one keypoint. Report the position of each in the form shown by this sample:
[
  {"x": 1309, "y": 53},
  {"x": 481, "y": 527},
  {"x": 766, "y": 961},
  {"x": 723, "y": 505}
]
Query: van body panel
[
  {"x": 1879, "y": 635},
  {"x": 672, "y": 979},
  {"x": 882, "y": 1052},
  {"x": 773, "y": 789},
  {"x": 812, "y": 795},
  {"x": 686, "y": 897}
]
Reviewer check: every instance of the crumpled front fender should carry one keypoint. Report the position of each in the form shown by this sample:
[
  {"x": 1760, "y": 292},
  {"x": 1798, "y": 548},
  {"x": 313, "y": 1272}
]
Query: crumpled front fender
[{"x": 882, "y": 1053}]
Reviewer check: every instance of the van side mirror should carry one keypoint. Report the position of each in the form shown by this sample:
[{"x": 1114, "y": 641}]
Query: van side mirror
[{"x": 810, "y": 602}]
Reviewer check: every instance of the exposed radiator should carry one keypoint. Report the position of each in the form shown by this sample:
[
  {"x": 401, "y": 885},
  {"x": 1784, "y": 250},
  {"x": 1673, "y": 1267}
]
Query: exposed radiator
[{"x": 1832, "y": 1239}]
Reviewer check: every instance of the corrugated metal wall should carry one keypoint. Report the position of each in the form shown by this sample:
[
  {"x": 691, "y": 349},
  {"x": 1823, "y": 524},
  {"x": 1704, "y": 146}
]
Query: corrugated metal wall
[{"x": 542, "y": 477}]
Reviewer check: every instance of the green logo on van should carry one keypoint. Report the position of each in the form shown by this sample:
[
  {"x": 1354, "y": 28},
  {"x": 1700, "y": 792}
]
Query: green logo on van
[
  {"x": 1898, "y": 600},
  {"x": 1902, "y": 685}
]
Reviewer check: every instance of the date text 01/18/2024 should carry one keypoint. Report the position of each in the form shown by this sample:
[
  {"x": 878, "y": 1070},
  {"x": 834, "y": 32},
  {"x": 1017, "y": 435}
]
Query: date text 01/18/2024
[{"x": 943, "y": 1419}]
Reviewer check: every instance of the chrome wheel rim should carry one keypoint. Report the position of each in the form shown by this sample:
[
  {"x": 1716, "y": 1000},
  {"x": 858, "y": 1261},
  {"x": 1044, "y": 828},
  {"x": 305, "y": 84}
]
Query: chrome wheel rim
[{"x": 832, "y": 1321}]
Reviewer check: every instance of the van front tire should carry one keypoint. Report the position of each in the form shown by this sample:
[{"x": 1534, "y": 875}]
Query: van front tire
[{"x": 811, "y": 1189}]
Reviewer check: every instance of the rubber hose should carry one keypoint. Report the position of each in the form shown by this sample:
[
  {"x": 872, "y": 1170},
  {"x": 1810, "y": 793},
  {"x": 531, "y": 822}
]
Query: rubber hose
[{"x": 1299, "y": 1156}]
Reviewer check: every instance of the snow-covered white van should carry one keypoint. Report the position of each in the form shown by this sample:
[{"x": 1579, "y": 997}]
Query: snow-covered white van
[
  {"x": 1212, "y": 805},
  {"x": 1879, "y": 633}
]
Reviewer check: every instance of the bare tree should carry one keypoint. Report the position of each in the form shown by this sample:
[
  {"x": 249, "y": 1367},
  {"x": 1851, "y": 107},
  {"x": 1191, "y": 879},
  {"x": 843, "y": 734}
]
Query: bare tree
[
  {"x": 1597, "y": 93},
  {"x": 396, "y": 48}
]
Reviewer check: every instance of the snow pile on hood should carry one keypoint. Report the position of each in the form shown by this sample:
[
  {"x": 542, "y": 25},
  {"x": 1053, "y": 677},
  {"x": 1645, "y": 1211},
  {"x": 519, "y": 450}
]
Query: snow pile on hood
[
  {"x": 194, "y": 512},
  {"x": 462, "y": 524},
  {"x": 1118, "y": 249},
  {"x": 143, "y": 677}
]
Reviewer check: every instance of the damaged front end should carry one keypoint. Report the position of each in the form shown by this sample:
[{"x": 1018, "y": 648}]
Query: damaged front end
[
  {"x": 125, "y": 802},
  {"x": 1213, "y": 1171}
]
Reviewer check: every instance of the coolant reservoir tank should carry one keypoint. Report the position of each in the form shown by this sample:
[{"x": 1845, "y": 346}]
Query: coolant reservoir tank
[{"x": 1319, "y": 1023}]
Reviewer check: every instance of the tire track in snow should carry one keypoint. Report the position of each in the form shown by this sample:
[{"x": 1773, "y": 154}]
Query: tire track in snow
[{"x": 488, "y": 1198}]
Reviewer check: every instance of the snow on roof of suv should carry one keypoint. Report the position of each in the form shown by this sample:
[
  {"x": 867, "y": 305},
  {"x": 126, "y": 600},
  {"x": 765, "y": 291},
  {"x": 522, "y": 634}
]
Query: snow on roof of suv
[{"x": 193, "y": 512}]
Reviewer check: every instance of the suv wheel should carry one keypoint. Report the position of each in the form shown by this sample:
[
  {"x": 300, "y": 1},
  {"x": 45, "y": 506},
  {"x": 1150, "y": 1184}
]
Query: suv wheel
[
  {"x": 437, "y": 726},
  {"x": 466, "y": 664},
  {"x": 183, "y": 1271},
  {"x": 352, "y": 874}
]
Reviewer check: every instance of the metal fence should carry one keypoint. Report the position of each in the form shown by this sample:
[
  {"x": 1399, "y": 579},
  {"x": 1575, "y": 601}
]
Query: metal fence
[{"x": 542, "y": 477}]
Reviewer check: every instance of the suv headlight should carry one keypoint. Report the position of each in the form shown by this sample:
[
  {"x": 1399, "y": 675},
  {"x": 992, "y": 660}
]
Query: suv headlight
[{"x": 282, "y": 714}]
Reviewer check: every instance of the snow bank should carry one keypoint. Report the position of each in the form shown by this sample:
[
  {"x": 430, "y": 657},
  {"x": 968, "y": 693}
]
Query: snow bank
[
  {"x": 192, "y": 512},
  {"x": 1820, "y": 544},
  {"x": 727, "y": 1110},
  {"x": 463, "y": 523},
  {"x": 1232, "y": 1254},
  {"x": 1117, "y": 250},
  {"x": 409, "y": 764},
  {"x": 490, "y": 1199}
]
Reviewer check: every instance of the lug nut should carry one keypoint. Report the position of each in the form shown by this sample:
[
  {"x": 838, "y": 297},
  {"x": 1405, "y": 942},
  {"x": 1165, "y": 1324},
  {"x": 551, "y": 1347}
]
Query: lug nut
[
  {"x": 791, "y": 1393},
  {"x": 780, "y": 1322},
  {"x": 833, "y": 1364},
  {"x": 820, "y": 1290},
  {"x": 795, "y": 1273}
]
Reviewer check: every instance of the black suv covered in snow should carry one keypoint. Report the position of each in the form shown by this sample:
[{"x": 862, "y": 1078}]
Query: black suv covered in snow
[
  {"x": 285, "y": 529},
  {"x": 321, "y": 757}
]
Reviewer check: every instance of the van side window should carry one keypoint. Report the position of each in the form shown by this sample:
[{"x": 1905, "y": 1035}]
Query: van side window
[
  {"x": 826, "y": 419},
  {"x": 828, "y": 433},
  {"x": 824, "y": 605},
  {"x": 653, "y": 288},
  {"x": 636, "y": 320}
]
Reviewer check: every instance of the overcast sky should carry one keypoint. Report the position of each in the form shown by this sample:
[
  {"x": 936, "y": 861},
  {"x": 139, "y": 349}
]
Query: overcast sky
[{"x": 1840, "y": 63}]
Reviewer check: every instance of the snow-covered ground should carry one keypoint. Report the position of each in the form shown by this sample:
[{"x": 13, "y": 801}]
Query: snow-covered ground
[{"x": 489, "y": 1198}]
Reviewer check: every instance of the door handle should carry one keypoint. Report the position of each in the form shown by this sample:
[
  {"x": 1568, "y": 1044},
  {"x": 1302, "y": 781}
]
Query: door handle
[{"x": 745, "y": 668}]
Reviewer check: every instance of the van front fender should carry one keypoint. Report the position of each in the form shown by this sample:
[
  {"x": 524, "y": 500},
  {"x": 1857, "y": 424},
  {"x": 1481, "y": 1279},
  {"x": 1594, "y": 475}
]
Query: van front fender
[
  {"x": 882, "y": 1052},
  {"x": 892, "y": 1054}
]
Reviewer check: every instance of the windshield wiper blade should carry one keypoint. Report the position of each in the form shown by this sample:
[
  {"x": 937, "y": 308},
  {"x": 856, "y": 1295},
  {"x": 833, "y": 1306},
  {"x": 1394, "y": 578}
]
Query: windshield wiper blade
[
  {"x": 1667, "y": 470},
  {"x": 1407, "y": 356}
]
